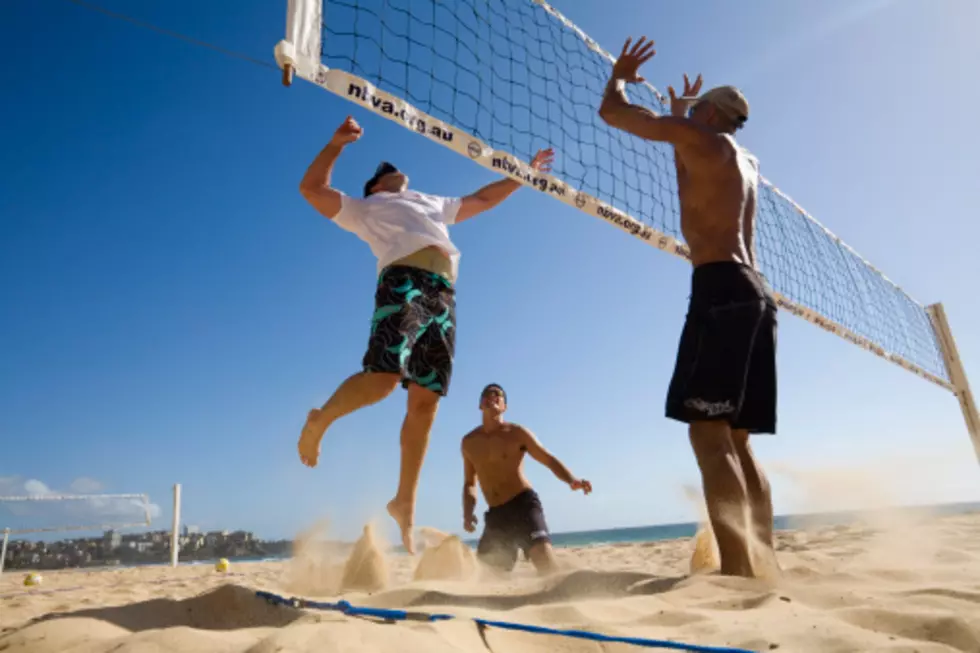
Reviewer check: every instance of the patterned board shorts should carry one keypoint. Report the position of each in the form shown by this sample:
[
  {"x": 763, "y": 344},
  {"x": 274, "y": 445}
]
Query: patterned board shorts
[{"x": 413, "y": 330}]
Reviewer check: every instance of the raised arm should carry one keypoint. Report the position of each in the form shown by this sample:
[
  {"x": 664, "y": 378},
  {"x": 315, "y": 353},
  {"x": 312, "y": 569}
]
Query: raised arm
[
  {"x": 617, "y": 111},
  {"x": 469, "y": 492},
  {"x": 537, "y": 451},
  {"x": 493, "y": 194},
  {"x": 315, "y": 185}
]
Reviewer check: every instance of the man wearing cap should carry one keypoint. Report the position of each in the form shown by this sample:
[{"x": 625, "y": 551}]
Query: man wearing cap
[
  {"x": 493, "y": 454},
  {"x": 413, "y": 329},
  {"x": 724, "y": 382}
]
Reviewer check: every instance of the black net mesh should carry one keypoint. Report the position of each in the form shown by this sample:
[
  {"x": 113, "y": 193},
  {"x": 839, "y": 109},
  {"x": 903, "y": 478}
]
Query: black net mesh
[{"x": 515, "y": 76}]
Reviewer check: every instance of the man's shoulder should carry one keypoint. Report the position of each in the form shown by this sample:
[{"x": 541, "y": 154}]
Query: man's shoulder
[{"x": 476, "y": 433}]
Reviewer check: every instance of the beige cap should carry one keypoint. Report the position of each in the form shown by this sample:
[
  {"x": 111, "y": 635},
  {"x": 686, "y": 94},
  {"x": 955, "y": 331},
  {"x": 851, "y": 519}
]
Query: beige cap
[{"x": 729, "y": 100}]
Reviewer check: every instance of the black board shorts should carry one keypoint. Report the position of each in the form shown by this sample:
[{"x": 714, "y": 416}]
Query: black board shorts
[
  {"x": 413, "y": 329},
  {"x": 726, "y": 358},
  {"x": 516, "y": 525}
]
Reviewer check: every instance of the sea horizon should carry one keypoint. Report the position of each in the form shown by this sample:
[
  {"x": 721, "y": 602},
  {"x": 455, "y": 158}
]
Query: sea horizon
[{"x": 684, "y": 530}]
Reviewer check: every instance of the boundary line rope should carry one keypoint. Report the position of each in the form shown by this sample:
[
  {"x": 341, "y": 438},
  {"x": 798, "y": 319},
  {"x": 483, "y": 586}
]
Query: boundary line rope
[{"x": 402, "y": 615}]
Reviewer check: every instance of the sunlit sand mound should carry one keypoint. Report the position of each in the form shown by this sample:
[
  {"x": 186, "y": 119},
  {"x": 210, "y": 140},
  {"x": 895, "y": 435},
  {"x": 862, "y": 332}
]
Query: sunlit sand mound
[
  {"x": 449, "y": 559},
  {"x": 367, "y": 568},
  {"x": 705, "y": 558}
]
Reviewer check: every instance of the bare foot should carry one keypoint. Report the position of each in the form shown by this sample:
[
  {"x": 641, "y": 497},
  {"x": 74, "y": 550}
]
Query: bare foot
[
  {"x": 309, "y": 439},
  {"x": 403, "y": 515}
]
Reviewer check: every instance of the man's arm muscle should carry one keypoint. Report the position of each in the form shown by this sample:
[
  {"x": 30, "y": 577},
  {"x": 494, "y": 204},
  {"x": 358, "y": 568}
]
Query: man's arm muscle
[
  {"x": 469, "y": 484},
  {"x": 617, "y": 112},
  {"x": 537, "y": 451},
  {"x": 315, "y": 186},
  {"x": 486, "y": 198}
]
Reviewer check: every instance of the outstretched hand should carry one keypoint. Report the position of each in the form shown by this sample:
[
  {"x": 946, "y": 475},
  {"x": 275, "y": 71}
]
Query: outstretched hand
[
  {"x": 627, "y": 67},
  {"x": 680, "y": 105},
  {"x": 542, "y": 160},
  {"x": 581, "y": 484},
  {"x": 348, "y": 132}
]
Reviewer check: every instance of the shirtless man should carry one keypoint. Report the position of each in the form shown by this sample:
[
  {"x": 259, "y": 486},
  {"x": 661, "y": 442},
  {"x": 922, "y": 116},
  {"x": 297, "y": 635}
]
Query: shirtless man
[
  {"x": 413, "y": 330},
  {"x": 493, "y": 453},
  {"x": 724, "y": 382}
]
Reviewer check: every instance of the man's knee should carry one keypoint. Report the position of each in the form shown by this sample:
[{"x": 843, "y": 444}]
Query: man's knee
[
  {"x": 750, "y": 466},
  {"x": 542, "y": 556},
  {"x": 712, "y": 444},
  {"x": 383, "y": 381},
  {"x": 422, "y": 401}
]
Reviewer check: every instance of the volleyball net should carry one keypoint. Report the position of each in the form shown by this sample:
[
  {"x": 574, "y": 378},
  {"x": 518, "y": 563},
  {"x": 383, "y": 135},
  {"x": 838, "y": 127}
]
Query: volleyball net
[
  {"x": 36, "y": 514},
  {"x": 496, "y": 80}
]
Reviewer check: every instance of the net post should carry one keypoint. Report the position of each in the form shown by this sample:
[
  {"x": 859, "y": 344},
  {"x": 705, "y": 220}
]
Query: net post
[
  {"x": 3, "y": 549},
  {"x": 175, "y": 528},
  {"x": 957, "y": 375}
]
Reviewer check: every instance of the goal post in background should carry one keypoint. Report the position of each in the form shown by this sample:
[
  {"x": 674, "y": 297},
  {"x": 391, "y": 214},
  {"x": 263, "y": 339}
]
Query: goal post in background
[
  {"x": 139, "y": 502},
  {"x": 495, "y": 80}
]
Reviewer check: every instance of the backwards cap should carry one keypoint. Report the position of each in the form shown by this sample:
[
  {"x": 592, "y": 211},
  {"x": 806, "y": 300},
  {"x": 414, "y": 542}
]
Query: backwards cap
[
  {"x": 383, "y": 169},
  {"x": 730, "y": 101}
]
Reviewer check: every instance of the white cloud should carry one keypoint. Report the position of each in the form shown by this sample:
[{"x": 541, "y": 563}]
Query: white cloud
[
  {"x": 101, "y": 511},
  {"x": 34, "y": 487},
  {"x": 86, "y": 485}
]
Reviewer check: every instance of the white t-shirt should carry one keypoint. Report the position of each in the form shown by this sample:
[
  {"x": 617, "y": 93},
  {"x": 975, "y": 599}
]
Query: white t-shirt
[{"x": 398, "y": 224}]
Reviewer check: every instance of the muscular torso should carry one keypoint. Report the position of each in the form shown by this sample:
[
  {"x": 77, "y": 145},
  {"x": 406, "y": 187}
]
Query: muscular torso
[
  {"x": 498, "y": 458},
  {"x": 718, "y": 196}
]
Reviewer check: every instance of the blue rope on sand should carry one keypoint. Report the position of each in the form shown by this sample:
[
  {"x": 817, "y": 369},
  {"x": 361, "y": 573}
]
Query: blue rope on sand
[{"x": 403, "y": 615}]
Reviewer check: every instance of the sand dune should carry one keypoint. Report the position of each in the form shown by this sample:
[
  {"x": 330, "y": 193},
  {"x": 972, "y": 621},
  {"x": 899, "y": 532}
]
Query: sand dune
[{"x": 908, "y": 587}]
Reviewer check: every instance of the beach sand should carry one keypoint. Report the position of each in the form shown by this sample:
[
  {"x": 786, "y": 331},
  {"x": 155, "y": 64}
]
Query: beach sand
[{"x": 898, "y": 587}]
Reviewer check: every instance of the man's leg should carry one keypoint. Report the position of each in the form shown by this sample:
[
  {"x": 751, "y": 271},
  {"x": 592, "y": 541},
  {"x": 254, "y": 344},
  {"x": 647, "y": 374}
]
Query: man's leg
[
  {"x": 394, "y": 330},
  {"x": 430, "y": 369},
  {"x": 758, "y": 415},
  {"x": 422, "y": 408},
  {"x": 542, "y": 556},
  {"x": 725, "y": 493},
  {"x": 357, "y": 391},
  {"x": 759, "y": 495}
]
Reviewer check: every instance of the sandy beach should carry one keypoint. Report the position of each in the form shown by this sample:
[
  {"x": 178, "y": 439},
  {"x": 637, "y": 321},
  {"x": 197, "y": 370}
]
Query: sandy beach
[{"x": 898, "y": 587}]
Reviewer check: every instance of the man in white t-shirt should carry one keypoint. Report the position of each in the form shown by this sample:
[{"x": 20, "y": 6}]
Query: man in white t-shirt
[{"x": 413, "y": 331}]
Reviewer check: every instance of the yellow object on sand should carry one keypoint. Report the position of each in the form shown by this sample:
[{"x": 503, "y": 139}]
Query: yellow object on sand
[
  {"x": 32, "y": 579},
  {"x": 705, "y": 557},
  {"x": 222, "y": 565}
]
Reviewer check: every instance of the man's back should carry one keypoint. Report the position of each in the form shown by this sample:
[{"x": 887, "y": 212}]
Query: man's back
[
  {"x": 717, "y": 187},
  {"x": 498, "y": 457}
]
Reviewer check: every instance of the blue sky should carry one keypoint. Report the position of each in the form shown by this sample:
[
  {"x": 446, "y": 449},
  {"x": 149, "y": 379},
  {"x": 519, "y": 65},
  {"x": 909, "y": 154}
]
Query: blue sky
[{"x": 172, "y": 307}]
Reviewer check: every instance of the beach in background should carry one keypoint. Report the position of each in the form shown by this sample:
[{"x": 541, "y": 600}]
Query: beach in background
[{"x": 899, "y": 580}]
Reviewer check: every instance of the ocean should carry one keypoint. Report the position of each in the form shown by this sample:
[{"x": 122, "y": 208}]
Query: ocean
[{"x": 640, "y": 534}]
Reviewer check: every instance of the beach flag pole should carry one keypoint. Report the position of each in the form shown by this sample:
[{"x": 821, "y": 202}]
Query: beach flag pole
[
  {"x": 175, "y": 528},
  {"x": 3, "y": 550}
]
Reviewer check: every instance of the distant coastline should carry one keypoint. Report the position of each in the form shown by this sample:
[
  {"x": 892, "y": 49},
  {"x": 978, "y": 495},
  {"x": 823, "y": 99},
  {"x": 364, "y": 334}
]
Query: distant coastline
[{"x": 114, "y": 550}]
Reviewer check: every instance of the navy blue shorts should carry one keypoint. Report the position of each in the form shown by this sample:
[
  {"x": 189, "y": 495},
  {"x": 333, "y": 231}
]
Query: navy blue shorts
[
  {"x": 510, "y": 527},
  {"x": 726, "y": 359}
]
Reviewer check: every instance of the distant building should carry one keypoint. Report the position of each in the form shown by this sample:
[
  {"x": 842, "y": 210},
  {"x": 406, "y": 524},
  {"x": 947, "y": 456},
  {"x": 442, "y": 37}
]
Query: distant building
[{"x": 111, "y": 540}]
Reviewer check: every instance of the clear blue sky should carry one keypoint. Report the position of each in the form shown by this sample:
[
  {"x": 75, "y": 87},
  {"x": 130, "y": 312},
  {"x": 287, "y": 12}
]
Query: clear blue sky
[{"x": 171, "y": 308}]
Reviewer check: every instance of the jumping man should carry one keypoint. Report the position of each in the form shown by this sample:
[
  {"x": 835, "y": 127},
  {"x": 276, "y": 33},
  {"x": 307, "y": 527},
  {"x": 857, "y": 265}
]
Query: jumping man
[
  {"x": 413, "y": 330},
  {"x": 493, "y": 453},
  {"x": 724, "y": 382}
]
